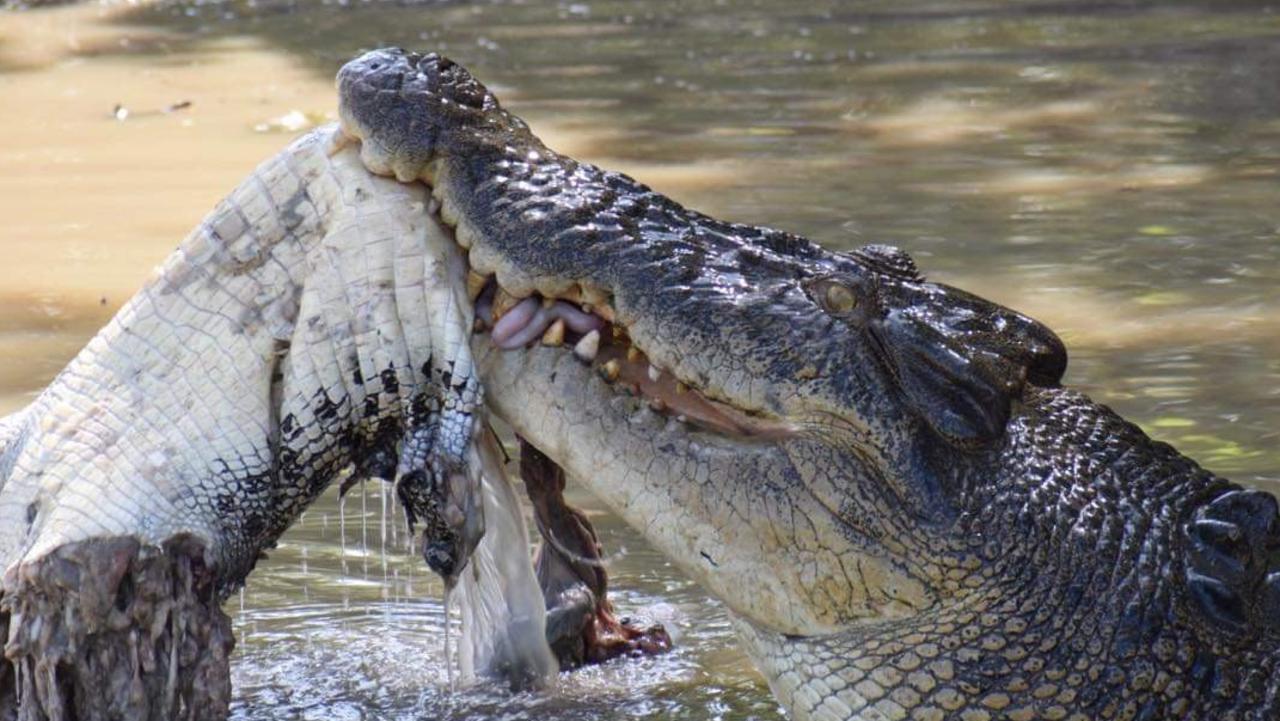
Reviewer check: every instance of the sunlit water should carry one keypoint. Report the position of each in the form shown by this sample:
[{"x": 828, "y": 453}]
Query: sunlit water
[{"x": 1112, "y": 168}]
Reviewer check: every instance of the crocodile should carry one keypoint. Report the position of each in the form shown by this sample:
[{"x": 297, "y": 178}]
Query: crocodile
[
  {"x": 265, "y": 359},
  {"x": 882, "y": 477}
]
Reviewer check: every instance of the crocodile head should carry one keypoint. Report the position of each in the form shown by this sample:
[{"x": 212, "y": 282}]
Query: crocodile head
[{"x": 878, "y": 474}]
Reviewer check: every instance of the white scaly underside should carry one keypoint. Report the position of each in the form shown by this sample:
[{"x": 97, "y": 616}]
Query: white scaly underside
[{"x": 311, "y": 269}]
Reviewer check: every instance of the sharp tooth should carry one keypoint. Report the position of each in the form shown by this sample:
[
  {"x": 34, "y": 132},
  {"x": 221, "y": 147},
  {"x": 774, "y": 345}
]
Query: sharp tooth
[
  {"x": 573, "y": 295},
  {"x": 634, "y": 355},
  {"x": 464, "y": 234},
  {"x": 554, "y": 335},
  {"x": 654, "y": 374},
  {"x": 587, "y": 347},
  {"x": 682, "y": 418},
  {"x": 475, "y": 284},
  {"x": 681, "y": 388},
  {"x": 611, "y": 370},
  {"x": 449, "y": 213},
  {"x": 657, "y": 405},
  {"x": 503, "y": 302}
]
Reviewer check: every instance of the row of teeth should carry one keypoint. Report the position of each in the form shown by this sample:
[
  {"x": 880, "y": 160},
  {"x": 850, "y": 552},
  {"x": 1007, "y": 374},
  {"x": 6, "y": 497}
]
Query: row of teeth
[
  {"x": 518, "y": 310},
  {"x": 516, "y": 322}
]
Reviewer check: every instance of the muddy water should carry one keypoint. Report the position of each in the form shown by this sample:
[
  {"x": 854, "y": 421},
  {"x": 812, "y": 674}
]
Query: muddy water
[{"x": 1110, "y": 167}]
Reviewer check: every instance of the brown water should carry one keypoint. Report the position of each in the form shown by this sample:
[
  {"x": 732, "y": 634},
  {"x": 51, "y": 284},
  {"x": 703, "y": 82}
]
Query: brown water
[{"x": 1112, "y": 168}]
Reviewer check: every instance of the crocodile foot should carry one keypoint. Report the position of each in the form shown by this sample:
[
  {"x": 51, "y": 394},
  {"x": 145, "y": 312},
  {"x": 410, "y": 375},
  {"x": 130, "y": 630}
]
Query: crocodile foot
[{"x": 582, "y": 627}]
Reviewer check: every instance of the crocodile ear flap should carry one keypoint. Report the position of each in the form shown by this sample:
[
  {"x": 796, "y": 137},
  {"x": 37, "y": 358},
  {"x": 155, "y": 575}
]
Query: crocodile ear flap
[{"x": 956, "y": 396}]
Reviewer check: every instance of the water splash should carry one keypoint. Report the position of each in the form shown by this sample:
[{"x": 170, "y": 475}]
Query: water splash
[{"x": 342, "y": 531}]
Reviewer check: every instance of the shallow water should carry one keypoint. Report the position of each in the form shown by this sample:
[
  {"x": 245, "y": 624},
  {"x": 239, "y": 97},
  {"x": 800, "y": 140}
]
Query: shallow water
[{"x": 1112, "y": 168}]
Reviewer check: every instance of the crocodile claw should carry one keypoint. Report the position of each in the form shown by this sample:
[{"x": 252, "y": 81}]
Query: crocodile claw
[{"x": 438, "y": 481}]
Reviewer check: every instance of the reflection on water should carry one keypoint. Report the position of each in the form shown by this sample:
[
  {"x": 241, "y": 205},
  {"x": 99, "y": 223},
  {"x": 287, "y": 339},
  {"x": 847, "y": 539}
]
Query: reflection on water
[{"x": 1108, "y": 166}]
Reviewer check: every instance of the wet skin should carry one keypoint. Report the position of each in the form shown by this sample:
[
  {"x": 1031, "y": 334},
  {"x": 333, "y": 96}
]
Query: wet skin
[{"x": 881, "y": 476}]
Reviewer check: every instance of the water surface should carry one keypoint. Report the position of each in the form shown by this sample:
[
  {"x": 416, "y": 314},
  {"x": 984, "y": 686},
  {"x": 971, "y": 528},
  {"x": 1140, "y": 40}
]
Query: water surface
[{"x": 1111, "y": 168}]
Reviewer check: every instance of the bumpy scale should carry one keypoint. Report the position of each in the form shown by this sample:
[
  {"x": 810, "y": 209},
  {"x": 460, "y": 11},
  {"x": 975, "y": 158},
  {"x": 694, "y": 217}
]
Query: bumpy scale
[{"x": 314, "y": 321}]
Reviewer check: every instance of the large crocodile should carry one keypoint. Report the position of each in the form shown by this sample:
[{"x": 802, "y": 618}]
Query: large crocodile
[{"x": 880, "y": 475}]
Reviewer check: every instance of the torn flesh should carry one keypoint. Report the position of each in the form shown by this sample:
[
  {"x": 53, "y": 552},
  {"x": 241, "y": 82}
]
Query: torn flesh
[{"x": 582, "y": 627}]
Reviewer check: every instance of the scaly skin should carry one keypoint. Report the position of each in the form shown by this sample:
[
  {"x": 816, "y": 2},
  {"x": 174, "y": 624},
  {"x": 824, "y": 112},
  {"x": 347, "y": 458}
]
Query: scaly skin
[
  {"x": 315, "y": 322},
  {"x": 303, "y": 328},
  {"x": 907, "y": 514}
]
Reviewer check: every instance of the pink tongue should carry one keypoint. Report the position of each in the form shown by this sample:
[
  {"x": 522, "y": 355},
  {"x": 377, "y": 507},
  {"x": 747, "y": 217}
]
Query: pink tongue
[
  {"x": 528, "y": 320},
  {"x": 515, "y": 320},
  {"x": 578, "y": 321}
]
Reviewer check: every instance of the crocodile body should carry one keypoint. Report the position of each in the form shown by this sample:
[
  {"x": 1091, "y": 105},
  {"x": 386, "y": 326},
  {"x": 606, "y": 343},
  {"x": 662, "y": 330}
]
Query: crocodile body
[
  {"x": 881, "y": 476},
  {"x": 315, "y": 323},
  {"x": 301, "y": 328}
]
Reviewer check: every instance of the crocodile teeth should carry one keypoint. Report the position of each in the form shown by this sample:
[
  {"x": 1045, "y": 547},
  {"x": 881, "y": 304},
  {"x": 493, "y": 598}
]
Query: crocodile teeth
[
  {"x": 503, "y": 302},
  {"x": 654, "y": 374},
  {"x": 554, "y": 335},
  {"x": 465, "y": 235},
  {"x": 611, "y": 370},
  {"x": 449, "y": 213},
  {"x": 475, "y": 284},
  {"x": 588, "y": 346}
]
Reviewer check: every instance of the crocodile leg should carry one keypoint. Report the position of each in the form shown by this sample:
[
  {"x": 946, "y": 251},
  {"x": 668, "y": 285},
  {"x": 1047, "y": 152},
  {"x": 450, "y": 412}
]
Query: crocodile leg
[{"x": 438, "y": 482}]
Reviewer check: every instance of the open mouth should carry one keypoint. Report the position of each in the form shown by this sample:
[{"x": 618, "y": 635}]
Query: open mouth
[{"x": 581, "y": 320}]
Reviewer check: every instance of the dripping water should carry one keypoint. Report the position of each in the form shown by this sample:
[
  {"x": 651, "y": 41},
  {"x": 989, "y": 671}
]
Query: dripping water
[
  {"x": 342, "y": 531},
  {"x": 364, "y": 529},
  {"x": 382, "y": 528},
  {"x": 448, "y": 636}
]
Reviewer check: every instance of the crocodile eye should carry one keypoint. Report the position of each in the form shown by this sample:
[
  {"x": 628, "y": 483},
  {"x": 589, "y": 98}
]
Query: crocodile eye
[
  {"x": 839, "y": 299},
  {"x": 836, "y": 295}
]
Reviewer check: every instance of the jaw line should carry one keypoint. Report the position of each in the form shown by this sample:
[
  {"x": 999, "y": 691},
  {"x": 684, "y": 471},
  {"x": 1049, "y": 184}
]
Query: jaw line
[{"x": 665, "y": 498}]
